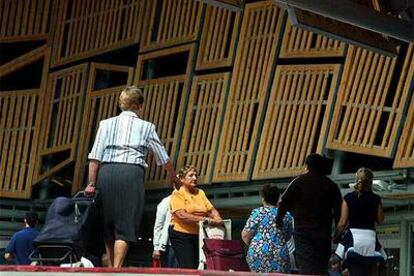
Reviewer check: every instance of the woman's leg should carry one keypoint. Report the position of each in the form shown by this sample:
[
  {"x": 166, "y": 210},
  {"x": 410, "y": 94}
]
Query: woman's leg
[
  {"x": 183, "y": 246},
  {"x": 120, "y": 251},
  {"x": 109, "y": 247}
]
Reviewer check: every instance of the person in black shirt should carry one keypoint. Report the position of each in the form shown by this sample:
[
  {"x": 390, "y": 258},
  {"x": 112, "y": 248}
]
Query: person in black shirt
[
  {"x": 361, "y": 210},
  {"x": 314, "y": 200}
]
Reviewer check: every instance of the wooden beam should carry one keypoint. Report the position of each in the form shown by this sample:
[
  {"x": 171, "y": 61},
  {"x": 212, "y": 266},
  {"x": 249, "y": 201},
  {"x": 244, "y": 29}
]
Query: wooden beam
[
  {"x": 22, "y": 61},
  {"x": 341, "y": 31},
  {"x": 357, "y": 15},
  {"x": 231, "y": 5}
]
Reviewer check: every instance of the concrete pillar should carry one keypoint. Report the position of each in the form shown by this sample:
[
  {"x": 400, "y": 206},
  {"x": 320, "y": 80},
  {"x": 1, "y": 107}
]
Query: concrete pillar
[
  {"x": 404, "y": 248},
  {"x": 338, "y": 161}
]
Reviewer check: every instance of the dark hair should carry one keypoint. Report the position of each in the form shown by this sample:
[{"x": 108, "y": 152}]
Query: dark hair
[
  {"x": 270, "y": 194},
  {"x": 31, "y": 218},
  {"x": 316, "y": 163}
]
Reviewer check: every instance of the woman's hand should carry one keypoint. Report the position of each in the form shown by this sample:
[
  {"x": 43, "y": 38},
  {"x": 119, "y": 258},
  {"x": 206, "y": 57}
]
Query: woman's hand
[
  {"x": 90, "y": 190},
  {"x": 213, "y": 222},
  {"x": 156, "y": 254}
]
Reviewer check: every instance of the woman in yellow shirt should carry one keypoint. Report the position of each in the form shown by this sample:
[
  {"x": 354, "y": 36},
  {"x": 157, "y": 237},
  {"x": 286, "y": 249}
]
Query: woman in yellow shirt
[{"x": 189, "y": 205}]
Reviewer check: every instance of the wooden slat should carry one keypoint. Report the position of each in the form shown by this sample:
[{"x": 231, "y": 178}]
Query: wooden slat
[
  {"x": 95, "y": 27},
  {"x": 163, "y": 106},
  {"x": 405, "y": 151},
  {"x": 201, "y": 129},
  {"x": 157, "y": 54},
  {"x": 24, "y": 19},
  {"x": 61, "y": 129},
  {"x": 260, "y": 31},
  {"x": 300, "y": 93},
  {"x": 298, "y": 43},
  {"x": 220, "y": 30},
  {"x": 164, "y": 101},
  {"x": 99, "y": 105},
  {"x": 364, "y": 121},
  {"x": 18, "y": 134},
  {"x": 168, "y": 31}
]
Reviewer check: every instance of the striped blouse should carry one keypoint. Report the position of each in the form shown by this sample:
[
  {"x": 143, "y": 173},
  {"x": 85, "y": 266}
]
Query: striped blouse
[{"x": 127, "y": 139}]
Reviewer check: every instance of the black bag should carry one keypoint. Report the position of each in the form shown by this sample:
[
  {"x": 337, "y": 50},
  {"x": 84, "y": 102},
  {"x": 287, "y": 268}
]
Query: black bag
[{"x": 65, "y": 234}]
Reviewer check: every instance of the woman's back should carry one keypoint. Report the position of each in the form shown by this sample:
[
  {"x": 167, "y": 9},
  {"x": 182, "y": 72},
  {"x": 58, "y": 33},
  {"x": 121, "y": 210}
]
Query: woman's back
[
  {"x": 363, "y": 209},
  {"x": 268, "y": 250}
]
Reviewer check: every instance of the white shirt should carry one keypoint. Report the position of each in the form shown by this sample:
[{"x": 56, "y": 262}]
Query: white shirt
[
  {"x": 162, "y": 223},
  {"x": 127, "y": 139}
]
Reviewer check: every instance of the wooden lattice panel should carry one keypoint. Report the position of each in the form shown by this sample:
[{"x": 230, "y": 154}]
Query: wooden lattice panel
[
  {"x": 298, "y": 43},
  {"x": 255, "y": 57},
  {"x": 163, "y": 106},
  {"x": 405, "y": 151},
  {"x": 170, "y": 22},
  {"x": 100, "y": 104},
  {"x": 296, "y": 118},
  {"x": 218, "y": 38},
  {"x": 87, "y": 28},
  {"x": 19, "y": 128},
  {"x": 62, "y": 119},
  {"x": 368, "y": 110},
  {"x": 201, "y": 130},
  {"x": 24, "y": 19}
]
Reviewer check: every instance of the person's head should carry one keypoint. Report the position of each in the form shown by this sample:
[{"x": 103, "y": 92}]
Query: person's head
[
  {"x": 316, "y": 163},
  {"x": 131, "y": 98},
  {"x": 31, "y": 219},
  {"x": 363, "y": 179},
  {"x": 188, "y": 176},
  {"x": 270, "y": 194}
]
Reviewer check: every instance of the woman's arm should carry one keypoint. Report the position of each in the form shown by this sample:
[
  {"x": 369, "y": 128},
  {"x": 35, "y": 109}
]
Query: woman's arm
[
  {"x": 380, "y": 214},
  {"x": 215, "y": 216},
  {"x": 92, "y": 177},
  {"x": 246, "y": 237},
  {"x": 189, "y": 218},
  {"x": 343, "y": 221},
  {"x": 172, "y": 174}
]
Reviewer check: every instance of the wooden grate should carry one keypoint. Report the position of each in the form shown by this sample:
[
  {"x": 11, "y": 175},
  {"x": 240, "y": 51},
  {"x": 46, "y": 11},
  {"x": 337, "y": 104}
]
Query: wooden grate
[
  {"x": 19, "y": 129},
  {"x": 62, "y": 119},
  {"x": 218, "y": 38},
  {"x": 368, "y": 110},
  {"x": 170, "y": 22},
  {"x": 298, "y": 43},
  {"x": 24, "y": 19},
  {"x": 255, "y": 57},
  {"x": 405, "y": 151},
  {"x": 201, "y": 129},
  {"x": 100, "y": 104},
  {"x": 86, "y": 28},
  {"x": 163, "y": 106},
  {"x": 300, "y": 93}
]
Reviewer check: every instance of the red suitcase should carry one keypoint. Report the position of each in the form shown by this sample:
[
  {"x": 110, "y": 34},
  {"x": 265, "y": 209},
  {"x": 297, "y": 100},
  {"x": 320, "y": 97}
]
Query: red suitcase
[{"x": 225, "y": 255}]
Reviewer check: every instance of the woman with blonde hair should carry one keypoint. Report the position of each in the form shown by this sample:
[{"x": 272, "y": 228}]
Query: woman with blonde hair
[
  {"x": 361, "y": 210},
  {"x": 189, "y": 205},
  {"x": 117, "y": 167}
]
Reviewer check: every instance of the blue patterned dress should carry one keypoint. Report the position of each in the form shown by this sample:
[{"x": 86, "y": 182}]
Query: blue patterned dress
[{"x": 268, "y": 250}]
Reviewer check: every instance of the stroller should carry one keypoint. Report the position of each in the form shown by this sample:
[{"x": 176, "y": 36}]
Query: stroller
[
  {"x": 218, "y": 251},
  {"x": 64, "y": 237}
]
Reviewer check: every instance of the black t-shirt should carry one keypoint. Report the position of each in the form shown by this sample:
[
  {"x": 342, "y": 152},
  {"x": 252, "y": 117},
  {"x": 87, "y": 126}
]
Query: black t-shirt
[
  {"x": 313, "y": 199},
  {"x": 362, "y": 210}
]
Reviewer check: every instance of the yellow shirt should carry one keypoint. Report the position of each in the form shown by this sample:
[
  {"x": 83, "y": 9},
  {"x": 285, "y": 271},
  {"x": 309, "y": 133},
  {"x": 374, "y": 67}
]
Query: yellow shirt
[{"x": 195, "y": 204}]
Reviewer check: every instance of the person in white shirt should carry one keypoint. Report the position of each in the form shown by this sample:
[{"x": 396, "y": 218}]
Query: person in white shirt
[
  {"x": 117, "y": 168},
  {"x": 162, "y": 247}
]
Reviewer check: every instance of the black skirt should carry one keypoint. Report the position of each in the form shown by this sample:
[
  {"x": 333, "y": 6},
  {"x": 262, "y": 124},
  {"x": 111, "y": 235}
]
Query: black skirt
[{"x": 122, "y": 190}]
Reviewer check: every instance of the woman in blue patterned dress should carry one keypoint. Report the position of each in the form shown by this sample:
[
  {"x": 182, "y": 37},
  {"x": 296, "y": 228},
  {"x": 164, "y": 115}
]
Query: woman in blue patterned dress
[{"x": 268, "y": 251}]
